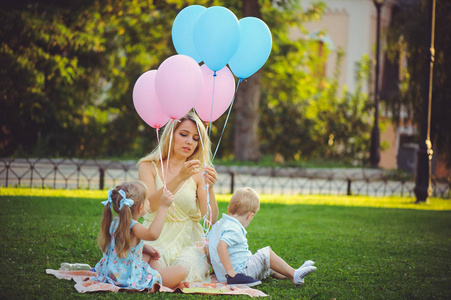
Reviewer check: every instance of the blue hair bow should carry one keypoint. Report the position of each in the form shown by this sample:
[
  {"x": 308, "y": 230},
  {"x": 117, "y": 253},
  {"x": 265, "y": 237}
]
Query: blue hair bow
[
  {"x": 125, "y": 201},
  {"x": 109, "y": 199}
]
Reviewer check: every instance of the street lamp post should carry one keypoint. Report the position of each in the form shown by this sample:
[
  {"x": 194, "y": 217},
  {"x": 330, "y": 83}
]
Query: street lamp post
[
  {"x": 375, "y": 135},
  {"x": 423, "y": 187}
]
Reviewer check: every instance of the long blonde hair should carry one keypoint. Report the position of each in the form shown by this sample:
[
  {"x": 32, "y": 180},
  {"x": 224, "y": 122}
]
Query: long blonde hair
[
  {"x": 202, "y": 151},
  {"x": 138, "y": 192}
]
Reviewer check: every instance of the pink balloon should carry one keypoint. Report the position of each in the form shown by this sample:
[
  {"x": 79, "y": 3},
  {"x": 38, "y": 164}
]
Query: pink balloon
[
  {"x": 178, "y": 85},
  {"x": 146, "y": 102},
  {"x": 224, "y": 90}
]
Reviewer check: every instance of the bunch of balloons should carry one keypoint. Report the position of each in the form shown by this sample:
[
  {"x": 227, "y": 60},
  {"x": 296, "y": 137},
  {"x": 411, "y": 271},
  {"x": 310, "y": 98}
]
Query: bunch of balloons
[{"x": 215, "y": 37}]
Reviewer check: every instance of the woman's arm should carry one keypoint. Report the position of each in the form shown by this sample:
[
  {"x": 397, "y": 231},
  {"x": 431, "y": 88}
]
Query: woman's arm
[
  {"x": 147, "y": 174},
  {"x": 209, "y": 176}
]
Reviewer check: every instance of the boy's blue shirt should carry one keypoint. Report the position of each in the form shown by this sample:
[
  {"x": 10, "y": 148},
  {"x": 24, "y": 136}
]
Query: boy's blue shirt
[{"x": 229, "y": 230}]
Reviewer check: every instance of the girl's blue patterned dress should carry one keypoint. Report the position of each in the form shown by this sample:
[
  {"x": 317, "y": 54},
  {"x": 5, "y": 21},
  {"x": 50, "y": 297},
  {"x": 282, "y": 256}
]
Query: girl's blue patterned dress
[{"x": 129, "y": 272}]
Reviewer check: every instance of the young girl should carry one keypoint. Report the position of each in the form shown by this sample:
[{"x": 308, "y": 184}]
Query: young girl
[{"x": 127, "y": 262}]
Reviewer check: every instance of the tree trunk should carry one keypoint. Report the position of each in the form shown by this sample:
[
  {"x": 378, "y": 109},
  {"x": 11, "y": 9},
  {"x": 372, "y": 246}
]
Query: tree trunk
[
  {"x": 246, "y": 144},
  {"x": 246, "y": 119}
]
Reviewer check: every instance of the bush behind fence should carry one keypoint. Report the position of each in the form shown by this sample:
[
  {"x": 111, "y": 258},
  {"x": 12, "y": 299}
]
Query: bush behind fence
[{"x": 102, "y": 174}]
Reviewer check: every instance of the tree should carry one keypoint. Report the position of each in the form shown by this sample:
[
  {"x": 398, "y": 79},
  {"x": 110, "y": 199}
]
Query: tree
[
  {"x": 280, "y": 17},
  {"x": 289, "y": 107},
  {"x": 246, "y": 144},
  {"x": 68, "y": 71},
  {"x": 408, "y": 49},
  {"x": 50, "y": 54},
  {"x": 320, "y": 124}
]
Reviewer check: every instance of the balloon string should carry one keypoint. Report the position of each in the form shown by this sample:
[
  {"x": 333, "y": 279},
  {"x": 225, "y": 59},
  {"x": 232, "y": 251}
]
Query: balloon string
[
  {"x": 205, "y": 219},
  {"x": 161, "y": 160},
  {"x": 201, "y": 141},
  {"x": 169, "y": 151},
  {"x": 207, "y": 215},
  {"x": 227, "y": 119},
  {"x": 212, "y": 103}
]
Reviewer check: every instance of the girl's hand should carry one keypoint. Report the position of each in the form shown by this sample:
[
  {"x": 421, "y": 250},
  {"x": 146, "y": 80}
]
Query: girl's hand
[
  {"x": 153, "y": 253},
  {"x": 167, "y": 198},
  {"x": 210, "y": 175},
  {"x": 189, "y": 168}
]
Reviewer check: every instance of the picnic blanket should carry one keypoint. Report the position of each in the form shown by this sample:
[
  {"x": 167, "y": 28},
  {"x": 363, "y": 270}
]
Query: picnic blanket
[{"x": 83, "y": 284}]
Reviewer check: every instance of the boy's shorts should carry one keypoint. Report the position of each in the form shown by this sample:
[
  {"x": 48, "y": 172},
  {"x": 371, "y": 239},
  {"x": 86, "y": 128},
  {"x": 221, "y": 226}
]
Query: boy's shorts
[{"x": 258, "y": 265}]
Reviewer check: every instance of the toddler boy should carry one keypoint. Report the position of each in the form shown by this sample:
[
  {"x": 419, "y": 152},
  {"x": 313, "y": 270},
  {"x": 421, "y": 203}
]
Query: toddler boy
[{"x": 229, "y": 252}]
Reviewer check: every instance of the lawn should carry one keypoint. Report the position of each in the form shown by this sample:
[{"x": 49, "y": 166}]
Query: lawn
[{"x": 364, "y": 248}]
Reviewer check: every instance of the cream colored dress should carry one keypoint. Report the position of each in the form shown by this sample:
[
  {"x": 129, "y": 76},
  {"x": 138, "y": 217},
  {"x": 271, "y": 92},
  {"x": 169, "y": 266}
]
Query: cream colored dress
[{"x": 180, "y": 242}]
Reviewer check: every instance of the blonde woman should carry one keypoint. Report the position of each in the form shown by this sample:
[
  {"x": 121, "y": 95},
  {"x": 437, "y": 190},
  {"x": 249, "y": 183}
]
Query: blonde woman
[{"x": 185, "y": 170}]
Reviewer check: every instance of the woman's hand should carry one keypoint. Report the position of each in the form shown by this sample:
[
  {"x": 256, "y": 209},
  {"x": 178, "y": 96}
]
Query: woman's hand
[
  {"x": 167, "y": 198},
  {"x": 189, "y": 168},
  {"x": 210, "y": 175},
  {"x": 207, "y": 199}
]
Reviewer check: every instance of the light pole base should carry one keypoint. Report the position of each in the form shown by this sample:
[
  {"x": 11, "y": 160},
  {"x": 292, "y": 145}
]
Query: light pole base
[{"x": 375, "y": 156}]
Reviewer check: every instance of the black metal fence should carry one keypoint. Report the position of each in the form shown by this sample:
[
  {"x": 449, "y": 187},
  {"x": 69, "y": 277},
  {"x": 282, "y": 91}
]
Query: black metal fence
[{"x": 101, "y": 174}]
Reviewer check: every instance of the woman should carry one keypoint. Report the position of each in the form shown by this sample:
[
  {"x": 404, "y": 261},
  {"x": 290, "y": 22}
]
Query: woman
[{"x": 185, "y": 170}]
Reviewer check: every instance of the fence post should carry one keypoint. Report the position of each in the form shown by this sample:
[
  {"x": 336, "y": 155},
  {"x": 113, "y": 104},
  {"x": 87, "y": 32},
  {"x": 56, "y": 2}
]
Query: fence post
[
  {"x": 101, "y": 178},
  {"x": 31, "y": 175},
  {"x": 7, "y": 173},
  {"x": 232, "y": 182},
  {"x": 349, "y": 193},
  {"x": 449, "y": 188},
  {"x": 55, "y": 169}
]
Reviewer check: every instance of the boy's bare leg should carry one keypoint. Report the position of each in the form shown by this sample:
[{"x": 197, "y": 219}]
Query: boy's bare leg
[
  {"x": 278, "y": 275},
  {"x": 280, "y": 267},
  {"x": 283, "y": 270}
]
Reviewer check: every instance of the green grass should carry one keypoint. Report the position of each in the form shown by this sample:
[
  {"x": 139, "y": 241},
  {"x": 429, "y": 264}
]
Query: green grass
[
  {"x": 268, "y": 161},
  {"x": 364, "y": 248}
]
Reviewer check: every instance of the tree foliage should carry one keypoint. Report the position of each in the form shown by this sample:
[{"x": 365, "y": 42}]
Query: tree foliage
[
  {"x": 51, "y": 55},
  {"x": 322, "y": 124},
  {"x": 68, "y": 70},
  {"x": 302, "y": 114}
]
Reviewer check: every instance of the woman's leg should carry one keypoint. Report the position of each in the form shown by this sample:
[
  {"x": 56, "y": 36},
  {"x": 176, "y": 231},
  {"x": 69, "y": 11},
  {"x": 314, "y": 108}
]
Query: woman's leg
[{"x": 172, "y": 276}]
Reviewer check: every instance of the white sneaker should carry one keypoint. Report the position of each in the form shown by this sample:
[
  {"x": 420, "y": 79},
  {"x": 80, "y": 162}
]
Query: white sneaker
[
  {"x": 307, "y": 263},
  {"x": 301, "y": 273}
]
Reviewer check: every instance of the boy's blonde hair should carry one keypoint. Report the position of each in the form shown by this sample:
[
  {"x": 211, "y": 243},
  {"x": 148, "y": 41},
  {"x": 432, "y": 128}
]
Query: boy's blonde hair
[{"x": 244, "y": 200}]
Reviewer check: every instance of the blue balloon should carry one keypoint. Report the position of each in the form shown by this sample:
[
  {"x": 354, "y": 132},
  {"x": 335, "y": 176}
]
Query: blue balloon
[
  {"x": 182, "y": 31},
  {"x": 216, "y": 36},
  {"x": 254, "y": 48}
]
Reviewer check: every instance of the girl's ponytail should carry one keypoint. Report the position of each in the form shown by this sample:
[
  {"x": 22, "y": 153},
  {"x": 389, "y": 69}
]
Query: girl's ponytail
[
  {"x": 104, "y": 237},
  {"x": 122, "y": 234}
]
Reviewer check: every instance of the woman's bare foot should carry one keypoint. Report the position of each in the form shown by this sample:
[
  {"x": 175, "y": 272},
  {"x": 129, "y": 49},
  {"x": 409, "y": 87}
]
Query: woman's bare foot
[{"x": 182, "y": 285}]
